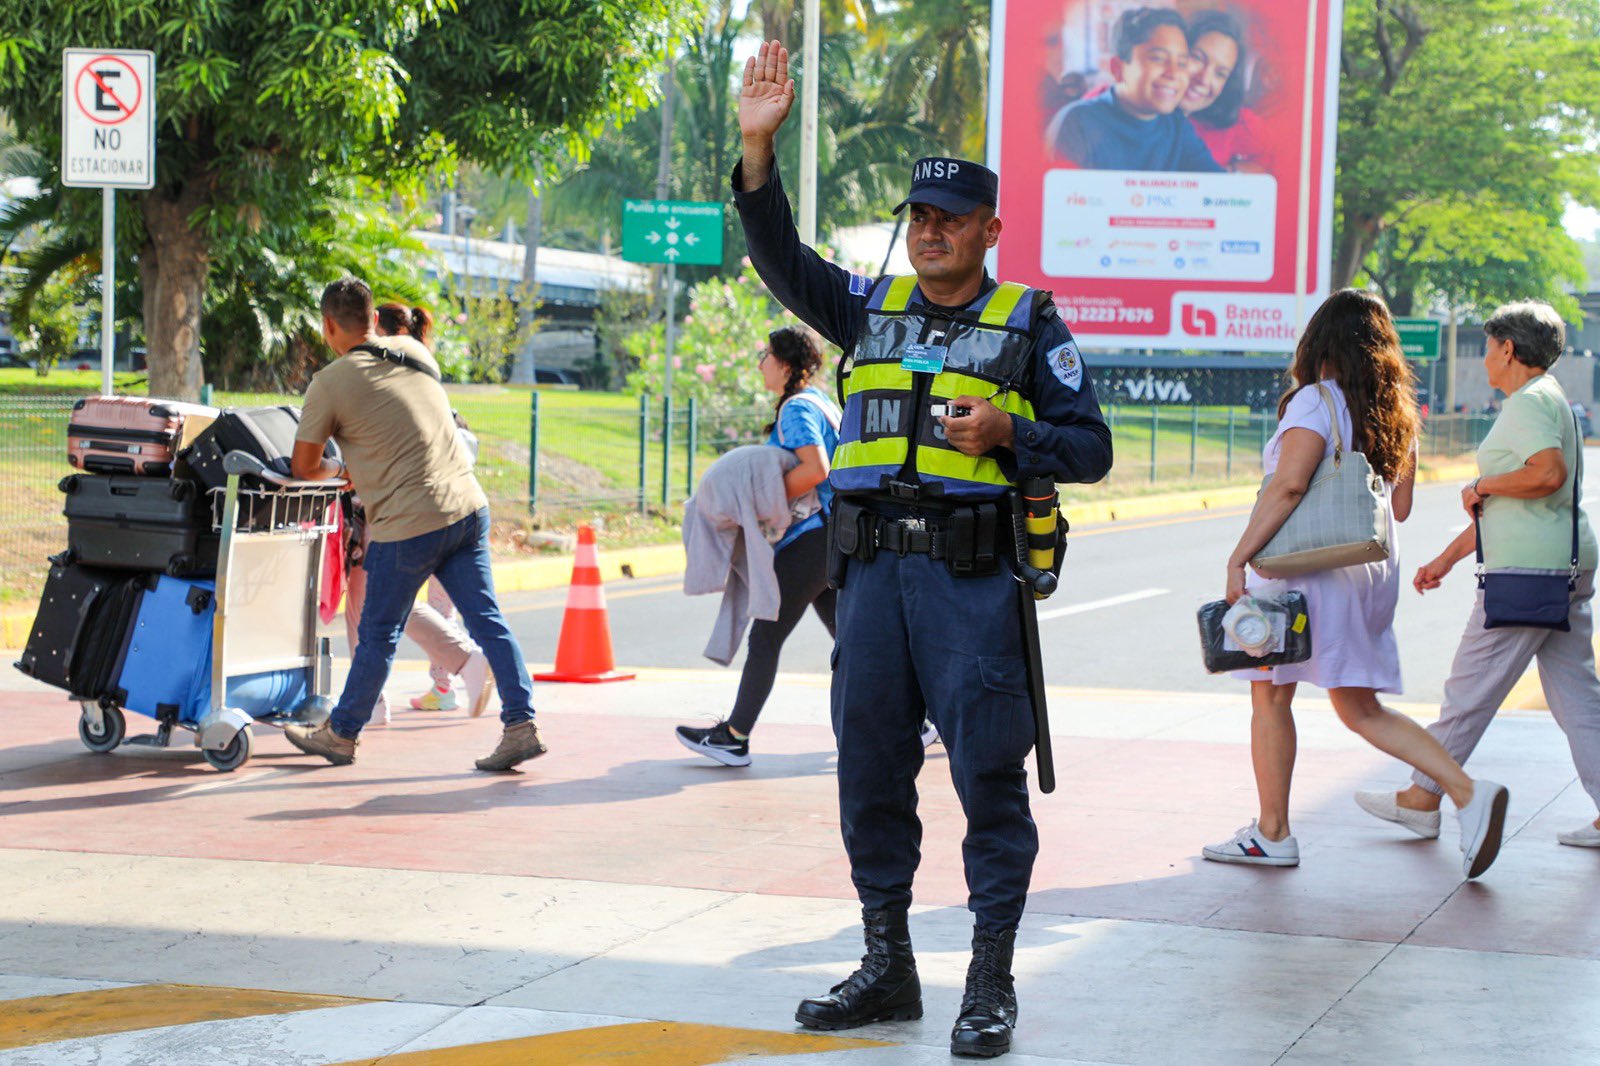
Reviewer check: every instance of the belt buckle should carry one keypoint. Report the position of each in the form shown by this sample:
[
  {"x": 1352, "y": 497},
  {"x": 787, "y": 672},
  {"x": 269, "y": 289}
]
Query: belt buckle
[{"x": 907, "y": 526}]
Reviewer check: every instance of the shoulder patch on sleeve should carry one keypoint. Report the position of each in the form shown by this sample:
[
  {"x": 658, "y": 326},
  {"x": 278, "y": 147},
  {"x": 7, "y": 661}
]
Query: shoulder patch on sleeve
[
  {"x": 1067, "y": 365},
  {"x": 860, "y": 285}
]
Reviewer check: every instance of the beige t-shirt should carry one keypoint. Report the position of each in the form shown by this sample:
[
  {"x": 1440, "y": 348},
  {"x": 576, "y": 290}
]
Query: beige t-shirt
[{"x": 399, "y": 440}]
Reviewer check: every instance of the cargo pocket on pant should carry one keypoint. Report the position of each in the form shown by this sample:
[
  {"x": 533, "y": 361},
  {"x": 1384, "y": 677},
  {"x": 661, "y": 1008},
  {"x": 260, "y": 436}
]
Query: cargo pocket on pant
[{"x": 1003, "y": 728}]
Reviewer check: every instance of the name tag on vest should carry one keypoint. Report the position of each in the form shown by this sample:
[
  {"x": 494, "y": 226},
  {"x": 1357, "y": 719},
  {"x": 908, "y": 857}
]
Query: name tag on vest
[{"x": 923, "y": 358}]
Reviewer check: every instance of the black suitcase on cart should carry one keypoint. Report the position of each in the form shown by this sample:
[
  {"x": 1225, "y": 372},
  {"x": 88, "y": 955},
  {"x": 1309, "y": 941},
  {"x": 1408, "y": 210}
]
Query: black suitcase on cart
[
  {"x": 139, "y": 523},
  {"x": 81, "y": 630},
  {"x": 264, "y": 432}
]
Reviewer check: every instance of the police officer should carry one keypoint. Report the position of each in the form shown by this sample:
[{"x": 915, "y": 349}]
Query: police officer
[{"x": 928, "y": 610}]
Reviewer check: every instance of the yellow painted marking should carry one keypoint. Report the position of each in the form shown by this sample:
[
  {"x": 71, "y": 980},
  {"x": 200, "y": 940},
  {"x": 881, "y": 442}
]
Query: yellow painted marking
[
  {"x": 1129, "y": 527},
  {"x": 641, "y": 1043},
  {"x": 75, "y": 1015}
]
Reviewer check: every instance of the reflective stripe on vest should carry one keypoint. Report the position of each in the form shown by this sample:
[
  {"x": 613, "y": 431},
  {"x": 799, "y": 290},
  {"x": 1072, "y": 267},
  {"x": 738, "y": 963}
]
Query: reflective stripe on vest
[{"x": 987, "y": 352}]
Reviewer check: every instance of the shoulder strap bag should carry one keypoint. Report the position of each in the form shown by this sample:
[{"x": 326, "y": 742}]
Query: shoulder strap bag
[
  {"x": 1342, "y": 520},
  {"x": 398, "y": 359},
  {"x": 1538, "y": 601}
]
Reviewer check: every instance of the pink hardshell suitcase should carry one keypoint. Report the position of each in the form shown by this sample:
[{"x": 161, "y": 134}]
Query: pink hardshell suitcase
[{"x": 132, "y": 434}]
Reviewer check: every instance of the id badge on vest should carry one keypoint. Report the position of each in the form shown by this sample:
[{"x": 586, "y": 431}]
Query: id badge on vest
[{"x": 923, "y": 358}]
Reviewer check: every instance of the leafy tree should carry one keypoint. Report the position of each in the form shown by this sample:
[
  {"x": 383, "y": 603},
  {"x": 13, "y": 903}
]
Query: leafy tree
[
  {"x": 48, "y": 319},
  {"x": 266, "y": 108},
  {"x": 940, "y": 71},
  {"x": 481, "y": 330},
  {"x": 1456, "y": 110},
  {"x": 1473, "y": 255}
]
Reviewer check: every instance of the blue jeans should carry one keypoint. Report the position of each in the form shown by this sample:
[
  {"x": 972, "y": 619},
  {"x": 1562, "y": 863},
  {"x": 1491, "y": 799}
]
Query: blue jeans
[{"x": 458, "y": 555}]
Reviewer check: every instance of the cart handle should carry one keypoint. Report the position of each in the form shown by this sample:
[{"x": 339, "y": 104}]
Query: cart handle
[{"x": 245, "y": 464}]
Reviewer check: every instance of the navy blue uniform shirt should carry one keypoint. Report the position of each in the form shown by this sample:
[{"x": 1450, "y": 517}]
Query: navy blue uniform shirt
[
  {"x": 1097, "y": 134},
  {"x": 1068, "y": 440}
]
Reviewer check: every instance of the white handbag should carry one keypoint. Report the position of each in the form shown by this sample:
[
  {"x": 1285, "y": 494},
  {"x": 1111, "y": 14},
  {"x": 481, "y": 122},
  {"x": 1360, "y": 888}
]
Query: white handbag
[{"x": 1342, "y": 520}]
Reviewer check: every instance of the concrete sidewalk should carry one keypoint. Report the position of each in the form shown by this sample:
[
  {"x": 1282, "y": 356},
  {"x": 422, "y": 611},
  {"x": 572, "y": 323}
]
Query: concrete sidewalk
[{"x": 547, "y": 916}]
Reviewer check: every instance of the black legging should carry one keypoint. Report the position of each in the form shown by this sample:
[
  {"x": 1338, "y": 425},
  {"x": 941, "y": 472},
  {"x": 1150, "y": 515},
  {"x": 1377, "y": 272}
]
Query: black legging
[{"x": 802, "y": 568}]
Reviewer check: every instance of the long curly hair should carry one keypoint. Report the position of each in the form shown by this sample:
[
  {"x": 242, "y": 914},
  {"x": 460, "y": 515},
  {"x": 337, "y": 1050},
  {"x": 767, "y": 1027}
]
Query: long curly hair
[
  {"x": 798, "y": 352},
  {"x": 1352, "y": 340}
]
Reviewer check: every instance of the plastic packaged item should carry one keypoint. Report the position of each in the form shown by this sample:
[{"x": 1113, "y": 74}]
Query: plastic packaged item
[{"x": 1264, "y": 629}]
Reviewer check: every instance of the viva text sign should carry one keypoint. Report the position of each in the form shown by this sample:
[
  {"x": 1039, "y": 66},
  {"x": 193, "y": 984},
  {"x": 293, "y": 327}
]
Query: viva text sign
[{"x": 1180, "y": 199}]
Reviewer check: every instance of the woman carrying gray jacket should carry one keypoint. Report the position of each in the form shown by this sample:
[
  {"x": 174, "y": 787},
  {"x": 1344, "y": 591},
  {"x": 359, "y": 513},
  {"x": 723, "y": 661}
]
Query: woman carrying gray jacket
[{"x": 1524, "y": 498}]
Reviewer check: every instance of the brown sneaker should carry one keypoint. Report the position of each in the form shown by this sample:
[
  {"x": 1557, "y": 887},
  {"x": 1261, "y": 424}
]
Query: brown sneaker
[
  {"x": 322, "y": 741},
  {"x": 518, "y": 743}
]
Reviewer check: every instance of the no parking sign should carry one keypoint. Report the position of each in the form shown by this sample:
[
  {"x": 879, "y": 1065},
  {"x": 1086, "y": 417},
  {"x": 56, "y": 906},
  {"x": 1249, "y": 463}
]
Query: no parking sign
[{"x": 108, "y": 118}]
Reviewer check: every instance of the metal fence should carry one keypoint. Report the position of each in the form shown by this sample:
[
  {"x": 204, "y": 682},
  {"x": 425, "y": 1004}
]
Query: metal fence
[{"x": 564, "y": 462}]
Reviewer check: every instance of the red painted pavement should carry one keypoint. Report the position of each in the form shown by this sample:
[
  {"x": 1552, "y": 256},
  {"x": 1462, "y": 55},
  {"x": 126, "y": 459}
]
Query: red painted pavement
[{"x": 618, "y": 800}]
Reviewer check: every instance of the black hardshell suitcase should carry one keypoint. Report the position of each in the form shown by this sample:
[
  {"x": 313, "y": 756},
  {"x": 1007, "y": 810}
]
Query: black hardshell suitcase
[
  {"x": 264, "y": 432},
  {"x": 134, "y": 523},
  {"x": 81, "y": 630}
]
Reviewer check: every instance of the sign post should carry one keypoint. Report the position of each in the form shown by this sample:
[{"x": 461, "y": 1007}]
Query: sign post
[
  {"x": 108, "y": 141},
  {"x": 671, "y": 232}
]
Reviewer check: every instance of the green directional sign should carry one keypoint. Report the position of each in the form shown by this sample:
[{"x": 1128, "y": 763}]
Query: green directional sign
[
  {"x": 1419, "y": 338},
  {"x": 671, "y": 231}
]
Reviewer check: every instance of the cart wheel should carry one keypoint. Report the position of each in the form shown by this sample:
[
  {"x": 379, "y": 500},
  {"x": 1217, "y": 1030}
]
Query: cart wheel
[
  {"x": 113, "y": 727},
  {"x": 235, "y": 755}
]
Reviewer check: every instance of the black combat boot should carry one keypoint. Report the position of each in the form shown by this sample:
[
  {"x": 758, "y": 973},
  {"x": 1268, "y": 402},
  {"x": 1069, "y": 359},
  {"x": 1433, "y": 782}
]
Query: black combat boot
[
  {"x": 884, "y": 989},
  {"x": 989, "y": 1008}
]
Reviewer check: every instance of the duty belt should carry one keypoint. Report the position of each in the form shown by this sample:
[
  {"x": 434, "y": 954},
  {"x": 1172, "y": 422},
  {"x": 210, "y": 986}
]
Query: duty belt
[
  {"x": 906, "y": 536},
  {"x": 968, "y": 539}
]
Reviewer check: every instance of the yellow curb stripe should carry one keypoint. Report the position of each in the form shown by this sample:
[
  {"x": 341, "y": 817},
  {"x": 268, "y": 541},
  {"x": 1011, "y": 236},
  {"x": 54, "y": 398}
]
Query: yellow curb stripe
[
  {"x": 75, "y": 1015},
  {"x": 644, "y": 1043}
]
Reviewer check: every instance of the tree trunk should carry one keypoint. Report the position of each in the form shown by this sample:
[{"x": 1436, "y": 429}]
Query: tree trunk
[
  {"x": 532, "y": 234},
  {"x": 173, "y": 269},
  {"x": 1403, "y": 302},
  {"x": 1357, "y": 237}
]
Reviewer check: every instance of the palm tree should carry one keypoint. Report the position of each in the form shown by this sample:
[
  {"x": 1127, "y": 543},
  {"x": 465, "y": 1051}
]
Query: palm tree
[{"x": 940, "y": 70}]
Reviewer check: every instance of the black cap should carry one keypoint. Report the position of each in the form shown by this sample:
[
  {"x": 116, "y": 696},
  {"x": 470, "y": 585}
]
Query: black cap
[{"x": 954, "y": 185}]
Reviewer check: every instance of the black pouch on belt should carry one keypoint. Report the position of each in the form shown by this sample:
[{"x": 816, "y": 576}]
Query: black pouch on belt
[
  {"x": 849, "y": 534},
  {"x": 971, "y": 541}
]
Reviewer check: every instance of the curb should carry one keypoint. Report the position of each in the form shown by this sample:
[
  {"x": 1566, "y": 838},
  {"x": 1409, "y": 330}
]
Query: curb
[{"x": 663, "y": 560}]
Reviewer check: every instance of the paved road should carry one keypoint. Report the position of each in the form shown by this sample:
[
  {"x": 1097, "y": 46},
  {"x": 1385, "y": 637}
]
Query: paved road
[{"x": 1123, "y": 619}]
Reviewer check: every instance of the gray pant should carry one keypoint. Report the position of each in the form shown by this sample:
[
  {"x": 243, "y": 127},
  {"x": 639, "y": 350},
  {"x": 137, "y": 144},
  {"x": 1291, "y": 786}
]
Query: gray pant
[{"x": 1489, "y": 663}]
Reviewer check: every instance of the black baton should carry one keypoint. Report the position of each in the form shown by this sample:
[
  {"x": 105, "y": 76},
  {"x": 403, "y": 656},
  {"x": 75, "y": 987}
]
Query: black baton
[{"x": 1031, "y": 580}]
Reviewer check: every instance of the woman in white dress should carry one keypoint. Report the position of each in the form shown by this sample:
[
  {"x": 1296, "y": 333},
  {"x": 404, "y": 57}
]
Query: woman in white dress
[{"x": 1351, "y": 350}]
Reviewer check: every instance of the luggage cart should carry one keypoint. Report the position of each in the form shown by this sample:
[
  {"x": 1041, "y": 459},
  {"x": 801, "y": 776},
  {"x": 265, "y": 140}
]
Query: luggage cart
[{"x": 267, "y": 663}]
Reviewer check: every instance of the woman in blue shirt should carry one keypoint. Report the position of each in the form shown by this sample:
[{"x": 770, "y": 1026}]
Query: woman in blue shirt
[{"x": 806, "y": 422}]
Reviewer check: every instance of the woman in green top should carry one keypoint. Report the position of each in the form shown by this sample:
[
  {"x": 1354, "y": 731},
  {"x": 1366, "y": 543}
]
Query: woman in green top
[{"x": 1526, "y": 465}]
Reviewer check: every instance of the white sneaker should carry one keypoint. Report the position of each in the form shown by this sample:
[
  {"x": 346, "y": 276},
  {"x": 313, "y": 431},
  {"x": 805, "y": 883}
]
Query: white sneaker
[
  {"x": 1383, "y": 805},
  {"x": 930, "y": 734},
  {"x": 1249, "y": 847},
  {"x": 1482, "y": 822},
  {"x": 480, "y": 683},
  {"x": 1586, "y": 836},
  {"x": 380, "y": 711}
]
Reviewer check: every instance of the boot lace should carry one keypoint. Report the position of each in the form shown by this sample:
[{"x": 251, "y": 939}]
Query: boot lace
[{"x": 987, "y": 983}]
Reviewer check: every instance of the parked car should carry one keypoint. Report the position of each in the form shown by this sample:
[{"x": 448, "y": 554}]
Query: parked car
[{"x": 551, "y": 376}]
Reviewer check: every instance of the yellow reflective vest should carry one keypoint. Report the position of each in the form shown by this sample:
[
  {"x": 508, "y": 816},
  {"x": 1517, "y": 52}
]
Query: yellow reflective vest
[{"x": 887, "y": 434}]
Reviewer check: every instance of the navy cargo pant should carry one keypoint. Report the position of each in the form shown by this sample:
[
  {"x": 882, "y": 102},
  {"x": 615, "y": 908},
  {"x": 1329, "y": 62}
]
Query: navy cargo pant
[{"x": 912, "y": 638}]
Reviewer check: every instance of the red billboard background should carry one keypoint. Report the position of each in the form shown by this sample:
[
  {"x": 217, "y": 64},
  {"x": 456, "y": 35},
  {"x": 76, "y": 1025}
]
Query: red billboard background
[{"x": 1190, "y": 294}]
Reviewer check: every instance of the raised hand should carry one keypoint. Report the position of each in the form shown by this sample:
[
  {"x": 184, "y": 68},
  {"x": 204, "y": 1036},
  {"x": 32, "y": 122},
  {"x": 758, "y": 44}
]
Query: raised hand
[{"x": 766, "y": 95}]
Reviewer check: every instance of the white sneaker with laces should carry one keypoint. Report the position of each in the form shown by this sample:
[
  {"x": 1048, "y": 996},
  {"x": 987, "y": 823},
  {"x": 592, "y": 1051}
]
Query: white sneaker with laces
[
  {"x": 1483, "y": 820},
  {"x": 480, "y": 683},
  {"x": 1424, "y": 824},
  {"x": 1249, "y": 847},
  {"x": 1586, "y": 836}
]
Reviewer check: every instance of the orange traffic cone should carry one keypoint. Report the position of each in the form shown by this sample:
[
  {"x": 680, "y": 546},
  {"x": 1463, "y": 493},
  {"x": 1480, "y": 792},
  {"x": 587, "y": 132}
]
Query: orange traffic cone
[{"x": 584, "y": 651}]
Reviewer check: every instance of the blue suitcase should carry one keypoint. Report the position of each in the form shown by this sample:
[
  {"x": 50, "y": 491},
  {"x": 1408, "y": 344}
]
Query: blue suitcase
[
  {"x": 166, "y": 672},
  {"x": 169, "y": 651}
]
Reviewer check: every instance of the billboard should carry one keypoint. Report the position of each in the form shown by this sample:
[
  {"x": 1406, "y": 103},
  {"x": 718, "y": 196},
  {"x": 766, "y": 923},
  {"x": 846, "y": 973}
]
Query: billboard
[{"x": 1161, "y": 164}]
